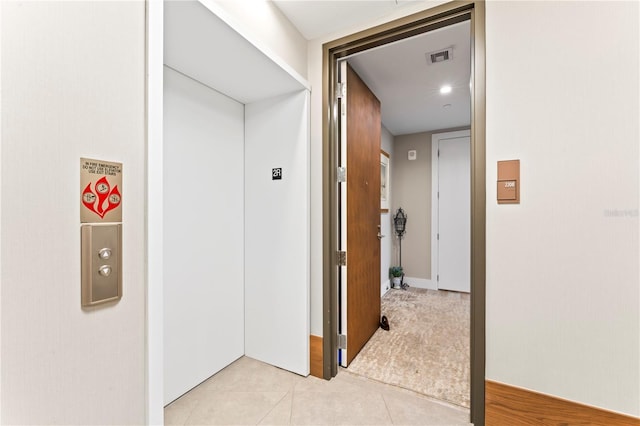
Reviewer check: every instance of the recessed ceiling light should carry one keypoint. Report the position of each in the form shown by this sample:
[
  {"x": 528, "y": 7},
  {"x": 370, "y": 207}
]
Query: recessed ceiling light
[{"x": 445, "y": 89}]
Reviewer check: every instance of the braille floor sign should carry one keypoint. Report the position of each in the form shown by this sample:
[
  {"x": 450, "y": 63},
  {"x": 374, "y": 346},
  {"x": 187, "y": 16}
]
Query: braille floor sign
[{"x": 101, "y": 191}]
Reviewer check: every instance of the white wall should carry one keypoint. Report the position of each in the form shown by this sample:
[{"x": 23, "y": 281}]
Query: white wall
[
  {"x": 386, "y": 229},
  {"x": 203, "y": 232},
  {"x": 264, "y": 24},
  {"x": 563, "y": 299},
  {"x": 71, "y": 87},
  {"x": 277, "y": 232}
]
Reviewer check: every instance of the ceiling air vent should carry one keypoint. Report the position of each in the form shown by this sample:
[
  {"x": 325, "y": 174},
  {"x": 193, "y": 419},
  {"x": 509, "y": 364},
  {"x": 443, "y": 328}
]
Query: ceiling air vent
[{"x": 441, "y": 55}]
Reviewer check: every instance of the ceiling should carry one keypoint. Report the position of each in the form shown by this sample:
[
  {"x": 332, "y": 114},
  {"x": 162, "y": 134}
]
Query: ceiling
[
  {"x": 318, "y": 18},
  {"x": 409, "y": 88},
  {"x": 191, "y": 47},
  {"x": 398, "y": 73}
]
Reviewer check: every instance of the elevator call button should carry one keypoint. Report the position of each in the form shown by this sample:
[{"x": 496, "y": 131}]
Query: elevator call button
[{"x": 101, "y": 260}]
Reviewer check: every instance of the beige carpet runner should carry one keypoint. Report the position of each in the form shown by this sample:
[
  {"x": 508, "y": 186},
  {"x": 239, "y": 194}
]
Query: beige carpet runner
[{"x": 427, "y": 348}]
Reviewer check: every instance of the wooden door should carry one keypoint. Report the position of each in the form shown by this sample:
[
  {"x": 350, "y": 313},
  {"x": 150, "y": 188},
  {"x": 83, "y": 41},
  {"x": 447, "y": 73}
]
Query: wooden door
[{"x": 363, "y": 126}]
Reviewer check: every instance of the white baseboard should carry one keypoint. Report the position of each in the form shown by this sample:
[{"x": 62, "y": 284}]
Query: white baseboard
[
  {"x": 421, "y": 283},
  {"x": 384, "y": 287}
]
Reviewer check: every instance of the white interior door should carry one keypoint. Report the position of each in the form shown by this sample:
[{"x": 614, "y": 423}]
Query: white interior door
[{"x": 454, "y": 213}]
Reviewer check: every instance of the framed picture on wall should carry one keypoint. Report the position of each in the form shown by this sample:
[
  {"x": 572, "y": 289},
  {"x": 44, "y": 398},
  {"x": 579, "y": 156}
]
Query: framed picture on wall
[{"x": 384, "y": 182}]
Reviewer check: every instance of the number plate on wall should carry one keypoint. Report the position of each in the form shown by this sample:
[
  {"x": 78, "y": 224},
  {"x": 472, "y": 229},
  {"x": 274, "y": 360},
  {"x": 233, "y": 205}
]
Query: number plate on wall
[{"x": 508, "y": 182}]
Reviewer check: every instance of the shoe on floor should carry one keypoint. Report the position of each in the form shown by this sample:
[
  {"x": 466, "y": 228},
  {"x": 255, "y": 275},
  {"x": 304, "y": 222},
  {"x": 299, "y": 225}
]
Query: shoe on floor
[{"x": 384, "y": 323}]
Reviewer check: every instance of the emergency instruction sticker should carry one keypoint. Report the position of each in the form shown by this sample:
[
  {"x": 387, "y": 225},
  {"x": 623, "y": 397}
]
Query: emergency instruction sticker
[{"x": 100, "y": 191}]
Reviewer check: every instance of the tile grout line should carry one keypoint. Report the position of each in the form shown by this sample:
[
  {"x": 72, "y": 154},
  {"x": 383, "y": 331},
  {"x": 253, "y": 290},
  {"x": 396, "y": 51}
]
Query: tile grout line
[
  {"x": 293, "y": 395},
  {"x": 387, "y": 408},
  {"x": 274, "y": 406}
]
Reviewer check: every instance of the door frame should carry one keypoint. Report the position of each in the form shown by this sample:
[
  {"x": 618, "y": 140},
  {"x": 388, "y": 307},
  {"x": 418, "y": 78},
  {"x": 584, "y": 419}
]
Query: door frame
[
  {"x": 435, "y": 200},
  {"x": 430, "y": 19}
]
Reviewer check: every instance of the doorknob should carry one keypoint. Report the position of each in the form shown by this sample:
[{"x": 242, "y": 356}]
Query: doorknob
[{"x": 380, "y": 236}]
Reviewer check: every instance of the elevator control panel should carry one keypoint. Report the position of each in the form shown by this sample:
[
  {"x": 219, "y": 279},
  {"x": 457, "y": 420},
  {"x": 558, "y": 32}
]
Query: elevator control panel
[
  {"x": 100, "y": 231},
  {"x": 101, "y": 263},
  {"x": 509, "y": 182}
]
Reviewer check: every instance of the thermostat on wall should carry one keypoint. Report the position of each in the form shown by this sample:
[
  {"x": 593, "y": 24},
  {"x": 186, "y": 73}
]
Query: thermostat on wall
[{"x": 412, "y": 154}]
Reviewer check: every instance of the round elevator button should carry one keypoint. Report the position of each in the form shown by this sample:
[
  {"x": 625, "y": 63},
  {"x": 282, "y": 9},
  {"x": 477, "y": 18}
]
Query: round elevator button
[
  {"x": 104, "y": 253},
  {"x": 104, "y": 270}
]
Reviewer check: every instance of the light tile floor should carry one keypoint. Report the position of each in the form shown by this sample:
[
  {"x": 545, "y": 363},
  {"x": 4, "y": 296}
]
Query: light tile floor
[{"x": 249, "y": 392}]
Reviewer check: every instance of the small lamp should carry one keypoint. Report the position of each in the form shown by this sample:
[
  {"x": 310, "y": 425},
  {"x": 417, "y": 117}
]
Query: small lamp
[
  {"x": 400, "y": 222},
  {"x": 400, "y": 225}
]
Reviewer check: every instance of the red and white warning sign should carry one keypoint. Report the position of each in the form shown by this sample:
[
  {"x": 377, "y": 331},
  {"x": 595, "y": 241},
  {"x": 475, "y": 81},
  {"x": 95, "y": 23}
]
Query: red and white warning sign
[{"x": 101, "y": 191}]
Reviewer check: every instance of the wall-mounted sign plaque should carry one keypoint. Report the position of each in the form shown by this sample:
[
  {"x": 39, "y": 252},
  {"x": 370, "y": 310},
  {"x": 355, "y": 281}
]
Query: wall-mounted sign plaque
[{"x": 100, "y": 191}]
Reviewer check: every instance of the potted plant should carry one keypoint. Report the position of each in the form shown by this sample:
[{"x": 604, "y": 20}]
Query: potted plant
[{"x": 396, "y": 273}]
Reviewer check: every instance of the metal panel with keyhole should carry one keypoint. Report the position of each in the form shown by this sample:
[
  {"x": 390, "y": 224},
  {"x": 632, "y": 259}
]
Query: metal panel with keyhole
[{"x": 101, "y": 263}]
